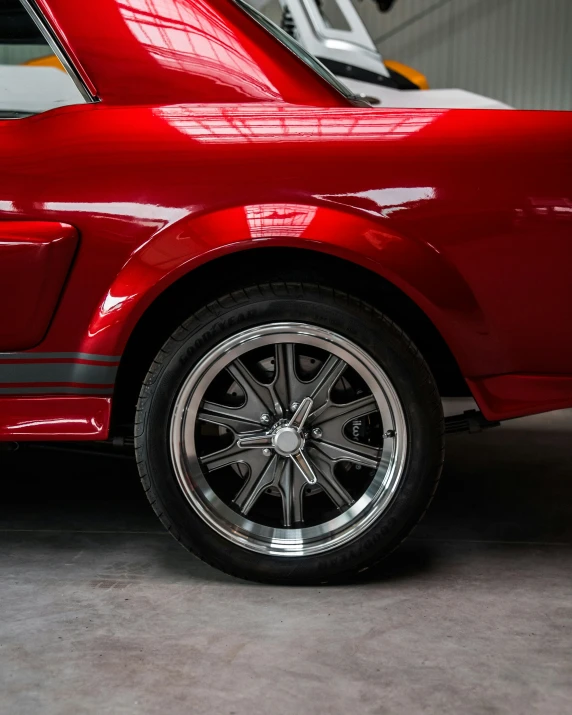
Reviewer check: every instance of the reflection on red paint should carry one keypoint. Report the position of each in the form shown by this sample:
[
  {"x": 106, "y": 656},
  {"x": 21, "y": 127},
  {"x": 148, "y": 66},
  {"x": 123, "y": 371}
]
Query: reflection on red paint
[
  {"x": 54, "y": 418},
  {"x": 180, "y": 37},
  {"x": 159, "y": 52},
  {"x": 278, "y": 220},
  {"x": 560, "y": 208},
  {"x": 385, "y": 202},
  {"x": 264, "y": 123}
]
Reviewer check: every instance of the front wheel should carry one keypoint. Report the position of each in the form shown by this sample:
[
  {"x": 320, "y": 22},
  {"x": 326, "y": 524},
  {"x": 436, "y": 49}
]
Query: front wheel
[{"x": 289, "y": 433}]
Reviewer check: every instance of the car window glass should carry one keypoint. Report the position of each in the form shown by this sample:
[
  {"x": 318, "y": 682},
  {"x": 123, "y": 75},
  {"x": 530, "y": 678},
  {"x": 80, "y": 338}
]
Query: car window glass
[{"x": 32, "y": 79}]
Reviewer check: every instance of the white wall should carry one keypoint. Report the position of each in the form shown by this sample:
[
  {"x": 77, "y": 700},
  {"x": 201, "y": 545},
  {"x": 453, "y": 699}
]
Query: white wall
[{"x": 518, "y": 51}]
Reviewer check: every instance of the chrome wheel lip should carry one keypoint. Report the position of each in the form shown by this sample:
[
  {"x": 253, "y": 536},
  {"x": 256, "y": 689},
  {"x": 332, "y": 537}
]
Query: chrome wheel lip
[{"x": 304, "y": 541}]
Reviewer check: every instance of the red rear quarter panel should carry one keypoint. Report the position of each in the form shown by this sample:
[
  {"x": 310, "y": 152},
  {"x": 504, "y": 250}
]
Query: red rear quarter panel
[{"x": 467, "y": 211}]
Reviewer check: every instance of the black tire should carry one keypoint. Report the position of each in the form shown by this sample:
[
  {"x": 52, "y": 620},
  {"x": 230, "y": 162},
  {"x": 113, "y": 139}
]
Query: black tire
[{"x": 338, "y": 312}]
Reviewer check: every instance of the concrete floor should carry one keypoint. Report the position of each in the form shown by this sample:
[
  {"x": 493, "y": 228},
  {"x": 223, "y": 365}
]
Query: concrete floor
[{"x": 102, "y": 612}]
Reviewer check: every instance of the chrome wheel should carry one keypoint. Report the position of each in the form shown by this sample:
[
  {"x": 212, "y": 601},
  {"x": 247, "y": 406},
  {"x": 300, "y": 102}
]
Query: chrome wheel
[{"x": 288, "y": 440}]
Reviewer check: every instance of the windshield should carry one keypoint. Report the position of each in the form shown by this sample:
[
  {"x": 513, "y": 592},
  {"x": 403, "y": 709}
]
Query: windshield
[{"x": 297, "y": 49}]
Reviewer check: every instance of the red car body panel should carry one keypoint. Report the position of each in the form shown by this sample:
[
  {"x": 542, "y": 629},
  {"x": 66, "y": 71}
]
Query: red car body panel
[
  {"x": 54, "y": 418},
  {"x": 468, "y": 212}
]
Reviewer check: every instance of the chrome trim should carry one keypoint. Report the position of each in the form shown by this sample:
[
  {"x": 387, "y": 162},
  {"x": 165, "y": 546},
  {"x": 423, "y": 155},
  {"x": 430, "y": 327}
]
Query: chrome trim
[
  {"x": 372, "y": 101},
  {"x": 44, "y": 27}
]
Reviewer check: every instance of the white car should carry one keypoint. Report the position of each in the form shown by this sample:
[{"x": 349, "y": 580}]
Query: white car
[{"x": 334, "y": 33}]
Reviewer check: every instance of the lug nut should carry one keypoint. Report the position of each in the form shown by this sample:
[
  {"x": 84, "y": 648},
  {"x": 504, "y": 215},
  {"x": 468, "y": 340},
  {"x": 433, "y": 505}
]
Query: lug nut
[
  {"x": 266, "y": 452},
  {"x": 265, "y": 418},
  {"x": 316, "y": 432}
]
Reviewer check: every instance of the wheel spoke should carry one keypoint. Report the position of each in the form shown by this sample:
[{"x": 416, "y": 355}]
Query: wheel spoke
[
  {"x": 222, "y": 457},
  {"x": 291, "y": 487},
  {"x": 229, "y": 417},
  {"x": 258, "y": 398},
  {"x": 256, "y": 483},
  {"x": 329, "y": 483},
  {"x": 359, "y": 453},
  {"x": 232, "y": 455},
  {"x": 323, "y": 383},
  {"x": 285, "y": 373},
  {"x": 292, "y": 389},
  {"x": 341, "y": 498},
  {"x": 337, "y": 416}
]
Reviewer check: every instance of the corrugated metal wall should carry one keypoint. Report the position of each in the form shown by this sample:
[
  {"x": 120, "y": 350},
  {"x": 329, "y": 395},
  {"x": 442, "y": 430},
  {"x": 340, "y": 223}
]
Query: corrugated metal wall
[{"x": 518, "y": 51}]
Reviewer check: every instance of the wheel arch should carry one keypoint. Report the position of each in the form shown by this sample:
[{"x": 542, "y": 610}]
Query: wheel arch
[{"x": 271, "y": 263}]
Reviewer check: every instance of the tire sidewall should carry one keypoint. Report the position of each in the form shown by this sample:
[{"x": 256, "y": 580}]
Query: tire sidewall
[{"x": 361, "y": 324}]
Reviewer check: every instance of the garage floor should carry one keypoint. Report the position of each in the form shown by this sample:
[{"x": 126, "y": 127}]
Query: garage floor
[{"x": 102, "y": 612}]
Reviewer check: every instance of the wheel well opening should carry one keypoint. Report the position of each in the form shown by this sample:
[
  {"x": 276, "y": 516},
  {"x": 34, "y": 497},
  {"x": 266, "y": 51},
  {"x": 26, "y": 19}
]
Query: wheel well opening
[{"x": 269, "y": 264}]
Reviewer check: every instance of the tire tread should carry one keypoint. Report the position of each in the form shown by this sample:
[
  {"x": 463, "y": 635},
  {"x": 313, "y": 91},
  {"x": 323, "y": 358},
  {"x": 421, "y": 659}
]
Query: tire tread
[{"x": 217, "y": 308}]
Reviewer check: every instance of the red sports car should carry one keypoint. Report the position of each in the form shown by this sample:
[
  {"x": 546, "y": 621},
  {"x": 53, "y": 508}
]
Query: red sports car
[{"x": 270, "y": 284}]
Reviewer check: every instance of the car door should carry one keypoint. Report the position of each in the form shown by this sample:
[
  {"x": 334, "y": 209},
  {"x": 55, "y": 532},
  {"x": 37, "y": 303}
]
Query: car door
[{"x": 35, "y": 255}]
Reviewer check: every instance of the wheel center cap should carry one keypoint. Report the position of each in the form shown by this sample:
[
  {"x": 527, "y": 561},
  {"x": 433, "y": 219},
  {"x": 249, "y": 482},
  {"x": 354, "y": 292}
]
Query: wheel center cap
[{"x": 287, "y": 441}]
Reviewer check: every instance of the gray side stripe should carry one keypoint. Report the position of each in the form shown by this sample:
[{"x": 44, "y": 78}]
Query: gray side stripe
[
  {"x": 58, "y": 372},
  {"x": 60, "y": 356},
  {"x": 100, "y": 391}
]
